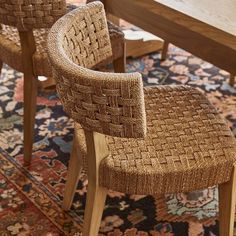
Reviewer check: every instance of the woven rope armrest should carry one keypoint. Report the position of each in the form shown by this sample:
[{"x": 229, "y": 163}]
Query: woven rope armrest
[
  {"x": 29, "y": 14},
  {"x": 107, "y": 103}
]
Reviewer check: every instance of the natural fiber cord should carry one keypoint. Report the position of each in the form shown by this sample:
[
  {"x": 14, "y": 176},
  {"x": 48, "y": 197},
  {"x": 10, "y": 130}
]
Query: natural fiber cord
[
  {"x": 10, "y": 48},
  {"x": 187, "y": 147},
  {"x": 107, "y": 103},
  {"x": 31, "y": 14}
]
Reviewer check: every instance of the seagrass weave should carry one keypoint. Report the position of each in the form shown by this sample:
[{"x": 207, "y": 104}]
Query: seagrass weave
[
  {"x": 88, "y": 37},
  {"x": 23, "y": 35},
  {"x": 10, "y": 48},
  {"x": 24, "y": 27},
  {"x": 29, "y": 14},
  {"x": 158, "y": 140},
  {"x": 187, "y": 147},
  {"x": 106, "y": 103}
]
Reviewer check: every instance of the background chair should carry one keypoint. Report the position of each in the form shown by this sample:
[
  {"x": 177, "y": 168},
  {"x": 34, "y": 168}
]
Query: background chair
[
  {"x": 23, "y": 47},
  {"x": 164, "y": 139}
]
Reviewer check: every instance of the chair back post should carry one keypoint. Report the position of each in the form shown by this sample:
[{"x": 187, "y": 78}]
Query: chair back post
[
  {"x": 28, "y": 48},
  {"x": 96, "y": 151}
]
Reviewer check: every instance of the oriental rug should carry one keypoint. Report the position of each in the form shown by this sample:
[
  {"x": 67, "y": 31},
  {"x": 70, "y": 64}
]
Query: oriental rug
[{"x": 30, "y": 199}]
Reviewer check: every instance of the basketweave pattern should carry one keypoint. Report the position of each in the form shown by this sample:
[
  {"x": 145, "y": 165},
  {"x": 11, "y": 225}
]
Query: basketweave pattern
[
  {"x": 10, "y": 48},
  {"x": 104, "y": 102},
  {"x": 29, "y": 14},
  {"x": 188, "y": 146},
  {"x": 87, "y": 40},
  {"x": 109, "y": 107}
]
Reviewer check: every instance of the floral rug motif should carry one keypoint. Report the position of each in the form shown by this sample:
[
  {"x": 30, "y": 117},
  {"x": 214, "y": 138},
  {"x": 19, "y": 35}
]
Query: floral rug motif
[{"x": 30, "y": 199}]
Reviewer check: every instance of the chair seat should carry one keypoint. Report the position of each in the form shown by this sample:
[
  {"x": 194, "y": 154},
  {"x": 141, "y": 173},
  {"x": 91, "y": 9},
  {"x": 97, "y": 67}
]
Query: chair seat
[
  {"x": 187, "y": 147},
  {"x": 10, "y": 48}
]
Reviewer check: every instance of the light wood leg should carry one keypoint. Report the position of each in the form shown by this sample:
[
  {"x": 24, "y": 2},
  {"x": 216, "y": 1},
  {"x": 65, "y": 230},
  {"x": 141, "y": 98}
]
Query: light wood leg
[
  {"x": 95, "y": 201},
  {"x": 96, "y": 195},
  {"x": 30, "y": 97},
  {"x": 120, "y": 63},
  {"x": 74, "y": 169},
  {"x": 164, "y": 50},
  {"x": 232, "y": 80},
  {"x": 30, "y": 91},
  {"x": 227, "y": 195}
]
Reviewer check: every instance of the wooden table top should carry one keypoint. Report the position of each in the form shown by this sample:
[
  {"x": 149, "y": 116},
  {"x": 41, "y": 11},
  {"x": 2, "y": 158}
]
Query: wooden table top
[
  {"x": 218, "y": 13},
  {"x": 206, "y": 28}
]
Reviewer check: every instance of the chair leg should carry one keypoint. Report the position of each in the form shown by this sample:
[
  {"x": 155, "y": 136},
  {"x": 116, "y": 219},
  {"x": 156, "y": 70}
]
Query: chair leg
[
  {"x": 120, "y": 63},
  {"x": 96, "y": 194},
  {"x": 95, "y": 201},
  {"x": 227, "y": 195},
  {"x": 164, "y": 50},
  {"x": 28, "y": 48},
  {"x": 30, "y": 97},
  {"x": 231, "y": 80},
  {"x": 75, "y": 166}
]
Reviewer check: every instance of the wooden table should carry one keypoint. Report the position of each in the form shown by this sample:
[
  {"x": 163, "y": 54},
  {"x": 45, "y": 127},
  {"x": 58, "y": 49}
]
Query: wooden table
[{"x": 206, "y": 28}]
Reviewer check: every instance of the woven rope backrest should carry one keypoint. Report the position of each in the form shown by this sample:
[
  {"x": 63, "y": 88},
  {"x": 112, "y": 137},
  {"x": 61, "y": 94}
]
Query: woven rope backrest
[
  {"x": 107, "y": 103},
  {"x": 29, "y": 14},
  {"x": 86, "y": 41}
]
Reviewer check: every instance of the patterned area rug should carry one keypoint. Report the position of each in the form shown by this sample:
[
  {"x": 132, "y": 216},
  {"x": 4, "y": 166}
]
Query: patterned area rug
[{"x": 30, "y": 199}]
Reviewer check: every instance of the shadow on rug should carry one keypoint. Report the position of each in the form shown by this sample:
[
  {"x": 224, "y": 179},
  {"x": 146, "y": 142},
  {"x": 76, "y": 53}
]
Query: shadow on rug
[{"x": 30, "y": 199}]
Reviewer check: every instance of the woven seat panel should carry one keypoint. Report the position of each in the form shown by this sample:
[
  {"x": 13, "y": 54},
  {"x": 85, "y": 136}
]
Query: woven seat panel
[
  {"x": 10, "y": 50},
  {"x": 29, "y": 14},
  {"x": 188, "y": 147}
]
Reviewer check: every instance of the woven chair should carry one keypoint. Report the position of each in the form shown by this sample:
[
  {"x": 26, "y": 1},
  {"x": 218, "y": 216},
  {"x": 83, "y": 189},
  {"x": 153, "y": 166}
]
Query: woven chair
[
  {"x": 156, "y": 140},
  {"x": 23, "y": 47}
]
